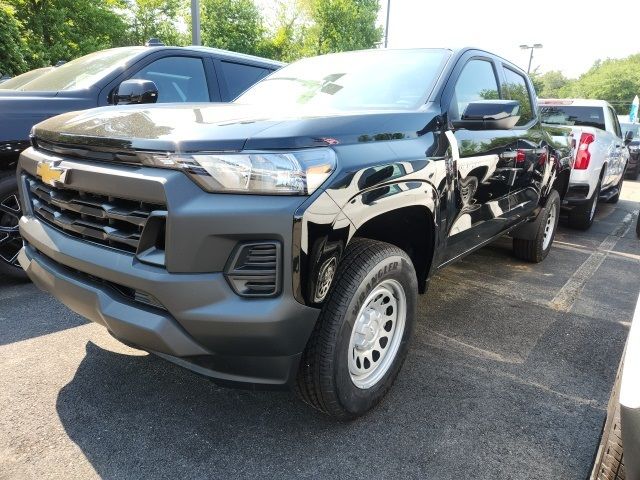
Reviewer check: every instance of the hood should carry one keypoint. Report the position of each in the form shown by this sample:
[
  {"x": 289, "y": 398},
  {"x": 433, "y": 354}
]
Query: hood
[
  {"x": 19, "y": 111},
  {"x": 219, "y": 127}
]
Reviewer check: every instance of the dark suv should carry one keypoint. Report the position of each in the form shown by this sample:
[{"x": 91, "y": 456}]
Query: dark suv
[
  {"x": 282, "y": 240},
  {"x": 180, "y": 74}
]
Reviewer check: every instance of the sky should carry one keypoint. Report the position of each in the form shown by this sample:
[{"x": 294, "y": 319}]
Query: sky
[{"x": 573, "y": 34}]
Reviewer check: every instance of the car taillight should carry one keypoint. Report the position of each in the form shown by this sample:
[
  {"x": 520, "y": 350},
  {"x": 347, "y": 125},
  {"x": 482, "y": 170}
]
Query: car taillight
[{"x": 583, "y": 156}]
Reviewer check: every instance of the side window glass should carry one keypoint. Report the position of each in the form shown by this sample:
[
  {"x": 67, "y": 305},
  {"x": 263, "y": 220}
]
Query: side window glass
[
  {"x": 179, "y": 79},
  {"x": 239, "y": 77},
  {"x": 476, "y": 82},
  {"x": 516, "y": 89},
  {"x": 616, "y": 123}
]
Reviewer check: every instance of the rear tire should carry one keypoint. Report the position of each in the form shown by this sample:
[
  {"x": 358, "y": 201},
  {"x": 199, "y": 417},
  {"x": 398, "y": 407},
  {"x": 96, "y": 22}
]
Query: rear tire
[
  {"x": 536, "y": 250},
  {"x": 581, "y": 217},
  {"x": 10, "y": 240},
  {"x": 358, "y": 346}
]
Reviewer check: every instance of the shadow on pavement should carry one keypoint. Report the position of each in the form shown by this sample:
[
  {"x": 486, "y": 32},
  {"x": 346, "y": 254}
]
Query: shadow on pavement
[
  {"x": 448, "y": 416},
  {"x": 26, "y": 312}
]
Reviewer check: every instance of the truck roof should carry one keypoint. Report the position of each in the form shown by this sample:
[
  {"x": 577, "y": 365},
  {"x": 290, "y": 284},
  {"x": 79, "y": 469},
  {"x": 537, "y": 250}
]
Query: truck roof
[{"x": 232, "y": 55}]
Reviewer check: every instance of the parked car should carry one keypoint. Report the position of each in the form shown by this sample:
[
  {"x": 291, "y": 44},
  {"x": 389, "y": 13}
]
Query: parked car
[
  {"x": 17, "y": 82},
  {"x": 633, "y": 167},
  {"x": 180, "y": 74},
  {"x": 618, "y": 454},
  {"x": 600, "y": 155},
  {"x": 282, "y": 240}
]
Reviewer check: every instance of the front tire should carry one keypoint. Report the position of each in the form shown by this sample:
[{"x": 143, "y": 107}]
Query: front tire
[
  {"x": 616, "y": 197},
  {"x": 536, "y": 249},
  {"x": 10, "y": 240},
  {"x": 362, "y": 335},
  {"x": 582, "y": 217}
]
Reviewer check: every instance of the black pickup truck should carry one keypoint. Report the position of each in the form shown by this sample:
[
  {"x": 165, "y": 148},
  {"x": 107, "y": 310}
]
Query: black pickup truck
[
  {"x": 180, "y": 74},
  {"x": 282, "y": 240}
]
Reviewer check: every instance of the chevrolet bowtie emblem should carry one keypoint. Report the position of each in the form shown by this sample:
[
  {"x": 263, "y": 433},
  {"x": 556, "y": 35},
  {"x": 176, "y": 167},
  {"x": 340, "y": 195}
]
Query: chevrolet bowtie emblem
[{"x": 52, "y": 174}]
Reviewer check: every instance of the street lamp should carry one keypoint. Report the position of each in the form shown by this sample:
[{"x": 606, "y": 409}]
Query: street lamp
[
  {"x": 527, "y": 47},
  {"x": 386, "y": 25},
  {"x": 195, "y": 23}
]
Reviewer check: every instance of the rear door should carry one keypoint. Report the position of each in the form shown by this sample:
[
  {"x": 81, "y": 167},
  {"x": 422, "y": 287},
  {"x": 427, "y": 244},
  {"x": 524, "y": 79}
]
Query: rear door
[
  {"x": 530, "y": 169},
  {"x": 236, "y": 76},
  {"x": 483, "y": 160},
  {"x": 619, "y": 157}
]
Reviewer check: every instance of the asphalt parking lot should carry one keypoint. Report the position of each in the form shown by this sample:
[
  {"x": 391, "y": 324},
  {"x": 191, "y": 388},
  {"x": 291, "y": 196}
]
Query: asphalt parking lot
[{"x": 508, "y": 377}]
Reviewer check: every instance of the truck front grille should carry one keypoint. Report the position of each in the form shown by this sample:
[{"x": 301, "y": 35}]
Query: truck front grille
[{"x": 106, "y": 220}]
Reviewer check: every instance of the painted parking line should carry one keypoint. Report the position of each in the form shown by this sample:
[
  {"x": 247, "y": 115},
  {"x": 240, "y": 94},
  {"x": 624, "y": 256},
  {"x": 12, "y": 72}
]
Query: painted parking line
[{"x": 570, "y": 291}]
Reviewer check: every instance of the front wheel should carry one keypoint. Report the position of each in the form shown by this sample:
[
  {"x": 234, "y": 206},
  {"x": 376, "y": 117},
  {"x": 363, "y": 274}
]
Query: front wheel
[
  {"x": 362, "y": 335},
  {"x": 10, "y": 240},
  {"x": 616, "y": 197},
  {"x": 536, "y": 249}
]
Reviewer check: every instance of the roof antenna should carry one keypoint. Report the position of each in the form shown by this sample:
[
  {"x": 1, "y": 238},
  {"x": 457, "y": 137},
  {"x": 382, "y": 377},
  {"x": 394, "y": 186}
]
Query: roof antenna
[{"x": 154, "y": 42}]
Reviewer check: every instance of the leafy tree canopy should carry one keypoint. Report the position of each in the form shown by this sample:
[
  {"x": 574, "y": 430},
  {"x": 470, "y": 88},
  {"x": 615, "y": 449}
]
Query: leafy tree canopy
[{"x": 14, "y": 51}]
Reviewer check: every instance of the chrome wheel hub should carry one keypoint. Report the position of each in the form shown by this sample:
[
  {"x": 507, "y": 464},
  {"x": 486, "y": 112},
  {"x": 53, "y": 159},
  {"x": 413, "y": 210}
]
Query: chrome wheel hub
[{"x": 377, "y": 334}]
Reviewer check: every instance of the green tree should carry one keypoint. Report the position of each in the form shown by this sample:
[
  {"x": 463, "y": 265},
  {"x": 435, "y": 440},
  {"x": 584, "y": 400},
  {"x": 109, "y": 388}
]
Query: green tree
[
  {"x": 233, "y": 25},
  {"x": 284, "y": 40},
  {"x": 156, "y": 18},
  {"x": 66, "y": 29},
  {"x": 614, "y": 80},
  {"x": 12, "y": 54},
  {"x": 340, "y": 25},
  {"x": 550, "y": 84}
]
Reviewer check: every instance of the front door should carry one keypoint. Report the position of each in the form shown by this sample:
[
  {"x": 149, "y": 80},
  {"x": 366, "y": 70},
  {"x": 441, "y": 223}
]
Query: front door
[{"x": 484, "y": 163}]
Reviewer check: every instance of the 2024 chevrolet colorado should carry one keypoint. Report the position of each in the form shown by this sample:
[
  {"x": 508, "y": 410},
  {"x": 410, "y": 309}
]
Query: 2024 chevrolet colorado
[{"x": 282, "y": 240}]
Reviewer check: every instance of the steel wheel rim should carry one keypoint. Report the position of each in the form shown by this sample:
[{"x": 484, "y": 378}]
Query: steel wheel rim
[
  {"x": 549, "y": 227},
  {"x": 377, "y": 334},
  {"x": 10, "y": 240}
]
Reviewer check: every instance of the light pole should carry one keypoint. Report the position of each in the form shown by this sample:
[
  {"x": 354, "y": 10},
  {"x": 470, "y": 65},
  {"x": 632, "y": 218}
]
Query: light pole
[
  {"x": 195, "y": 23},
  {"x": 527, "y": 47},
  {"x": 386, "y": 27}
]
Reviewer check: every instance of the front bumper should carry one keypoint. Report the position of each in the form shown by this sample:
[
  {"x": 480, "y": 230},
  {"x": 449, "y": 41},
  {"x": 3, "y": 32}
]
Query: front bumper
[{"x": 199, "y": 321}]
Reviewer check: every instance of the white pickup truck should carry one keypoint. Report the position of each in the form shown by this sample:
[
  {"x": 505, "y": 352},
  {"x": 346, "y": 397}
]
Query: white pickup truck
[{"x": 600, "y": 153}]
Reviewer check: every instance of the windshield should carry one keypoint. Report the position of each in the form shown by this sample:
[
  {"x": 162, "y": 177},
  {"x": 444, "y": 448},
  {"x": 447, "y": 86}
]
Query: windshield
[
  {"x": 573, "y": 116},
  {"x": 630, "y": 127},
  {"x": 82, "y": 72},
  {"x": 21, "y": 80},
  {"x": 373, "y": 79}
]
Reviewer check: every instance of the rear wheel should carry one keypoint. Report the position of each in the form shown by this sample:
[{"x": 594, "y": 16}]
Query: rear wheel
[
  {"x": 537, "y": 248},
  {"x": 362, "y": 335},
  {"x": 581, "y": 217},
  {"x": 10, "y": 240}
]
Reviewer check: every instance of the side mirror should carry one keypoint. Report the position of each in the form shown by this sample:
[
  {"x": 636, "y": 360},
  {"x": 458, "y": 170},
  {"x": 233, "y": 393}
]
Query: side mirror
[
  {"x": 489, "y": 115},
  {"x": 136, "y": 91},
  {"x": 628, "y": 137}
]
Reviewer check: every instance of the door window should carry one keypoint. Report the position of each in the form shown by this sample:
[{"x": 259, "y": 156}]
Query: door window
[
  {"x": 616, "y": 123},
  {"x": 239, "y": 77},
  {"x": 476, "y": 82},
  {"x": 516, "y": 89},
  {"x": 179, "y": 79}
]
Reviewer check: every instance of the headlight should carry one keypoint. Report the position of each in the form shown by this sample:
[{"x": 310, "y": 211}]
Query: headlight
[{"x": 290, "y": 173}]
